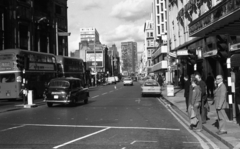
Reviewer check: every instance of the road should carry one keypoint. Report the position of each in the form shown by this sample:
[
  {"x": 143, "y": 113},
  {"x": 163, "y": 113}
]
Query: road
[{"x": 114, "y": 118}]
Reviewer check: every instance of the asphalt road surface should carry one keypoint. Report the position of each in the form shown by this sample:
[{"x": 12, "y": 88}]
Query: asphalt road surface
[{"x": 114, "y": 118}]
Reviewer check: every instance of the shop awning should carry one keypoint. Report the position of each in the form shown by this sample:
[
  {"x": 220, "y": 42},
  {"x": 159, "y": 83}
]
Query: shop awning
[{"x": 221, "y": 19}]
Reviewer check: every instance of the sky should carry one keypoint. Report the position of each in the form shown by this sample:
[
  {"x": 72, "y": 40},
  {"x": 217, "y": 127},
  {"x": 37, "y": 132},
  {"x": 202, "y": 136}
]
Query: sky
[{"x": 115, "y": 20}]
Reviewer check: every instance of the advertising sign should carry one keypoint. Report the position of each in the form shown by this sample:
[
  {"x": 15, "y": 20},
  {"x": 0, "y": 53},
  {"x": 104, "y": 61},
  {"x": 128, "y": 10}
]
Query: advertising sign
[
  {"x": 170, "y": 90},
  {"x": 90, "y": 58}
]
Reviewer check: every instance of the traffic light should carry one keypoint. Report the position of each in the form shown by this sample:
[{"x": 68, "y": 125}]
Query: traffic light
[
  {"x": 192, "y": 56},
  {"x": 20, "y": 61}
]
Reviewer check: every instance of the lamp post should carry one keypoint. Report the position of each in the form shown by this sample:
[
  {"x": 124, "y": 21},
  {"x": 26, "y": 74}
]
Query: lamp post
[
  {"x": 168, "y": 37},
  {"x": 95, "y": 62}
]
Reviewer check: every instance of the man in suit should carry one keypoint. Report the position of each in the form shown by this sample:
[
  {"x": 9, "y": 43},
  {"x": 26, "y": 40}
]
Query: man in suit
[
  {"x": 220, "y": 96},
  {"x": 204, "y": 102},
  {"x": 186, "y": 91}
]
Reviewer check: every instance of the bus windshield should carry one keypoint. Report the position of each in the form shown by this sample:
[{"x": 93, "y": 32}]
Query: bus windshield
[{"x": 7, "y": 77}]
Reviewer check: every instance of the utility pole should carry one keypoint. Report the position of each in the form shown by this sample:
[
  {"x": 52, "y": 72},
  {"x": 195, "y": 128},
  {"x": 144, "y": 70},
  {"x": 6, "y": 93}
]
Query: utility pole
[
  {"x": 168, "y": 47},
  {"x": 95, "y": 62}
]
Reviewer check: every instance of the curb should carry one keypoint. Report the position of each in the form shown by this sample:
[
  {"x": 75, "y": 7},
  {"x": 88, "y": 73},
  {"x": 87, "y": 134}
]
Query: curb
[{"x": 204, "y": 127}]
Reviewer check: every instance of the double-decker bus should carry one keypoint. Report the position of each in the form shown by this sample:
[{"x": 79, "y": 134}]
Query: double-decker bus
[
  {"x": 71, "y": 67},
  {"x": 41, "y": 68}
]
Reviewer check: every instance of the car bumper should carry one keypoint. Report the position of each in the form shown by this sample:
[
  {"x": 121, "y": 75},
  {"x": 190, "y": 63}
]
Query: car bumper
[
  {"x": 151, "y": 93},
  {"x": 57, "y": 101},
  {"x": 127, "y": 82}
]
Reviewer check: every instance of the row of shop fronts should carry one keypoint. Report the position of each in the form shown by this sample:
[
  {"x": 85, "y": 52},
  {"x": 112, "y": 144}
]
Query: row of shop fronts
[{"x": 213, "y": 47}]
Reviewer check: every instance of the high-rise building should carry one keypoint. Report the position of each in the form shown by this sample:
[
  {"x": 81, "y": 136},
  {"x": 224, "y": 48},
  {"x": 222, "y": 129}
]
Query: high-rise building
[
  {"x": 129, "y": 56},
  {"x": 113, "y": 51},
  {"x": 160, "y": 17},
  {"x": 89, "y": 34}
]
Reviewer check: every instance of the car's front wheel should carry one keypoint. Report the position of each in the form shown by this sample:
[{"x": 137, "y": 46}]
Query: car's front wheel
[
  {"x": 49, "y": 104},
  {"x": 86, "y": 100}
]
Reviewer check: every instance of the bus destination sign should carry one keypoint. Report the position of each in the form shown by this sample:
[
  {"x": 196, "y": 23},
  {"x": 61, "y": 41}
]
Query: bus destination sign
[{"x": 38, "y": 66}]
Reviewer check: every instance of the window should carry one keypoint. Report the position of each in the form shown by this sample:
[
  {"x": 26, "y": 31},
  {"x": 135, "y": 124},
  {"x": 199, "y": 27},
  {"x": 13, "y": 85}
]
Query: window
[
  {"x": 163, "y": 28},
  {"x": 157, "y": 9},
  {"x": 147, "y": 34},
  {"x": 157, "y": 1},
  {"x": 161, "y": 6},
  {"x": 158, "y": 19},
  {"x": 151, "y": 34},
  {"x": 158, "y": 29},
  {"x": 166, "y": 14},
  {"x": 162, "y": 17},
  {"x": 10, "y": 77}
]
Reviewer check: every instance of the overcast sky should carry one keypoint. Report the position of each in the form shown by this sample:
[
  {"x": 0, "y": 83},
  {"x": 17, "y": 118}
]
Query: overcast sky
[{"x": 115, "y": 20}]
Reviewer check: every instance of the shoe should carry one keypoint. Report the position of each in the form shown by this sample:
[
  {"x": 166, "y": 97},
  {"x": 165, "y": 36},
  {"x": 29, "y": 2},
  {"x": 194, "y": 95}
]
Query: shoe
[
  {"x": 221, "y": 132},
  {"x": 197, "y": 130},
  {"x": 190, "y": 127}
]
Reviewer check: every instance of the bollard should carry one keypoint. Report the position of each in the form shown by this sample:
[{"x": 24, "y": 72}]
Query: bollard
[
  {"x": 30, "y": 97},
  {"x": 30, "y": 100}
]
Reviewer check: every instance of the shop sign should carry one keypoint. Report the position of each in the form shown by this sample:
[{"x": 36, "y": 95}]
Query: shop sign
[
  {"x": 214, "y": 16},
  {"x": 182, "y": 52},
  {"x": 210, "y": 53}
]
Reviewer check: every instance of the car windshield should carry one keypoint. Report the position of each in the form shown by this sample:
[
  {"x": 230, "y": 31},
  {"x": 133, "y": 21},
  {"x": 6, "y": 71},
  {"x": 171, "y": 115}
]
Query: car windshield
[
  {"x": 150, "y": 83},
  {"x": 60, "y": 84},
  {"x": 127, "y": 79}
]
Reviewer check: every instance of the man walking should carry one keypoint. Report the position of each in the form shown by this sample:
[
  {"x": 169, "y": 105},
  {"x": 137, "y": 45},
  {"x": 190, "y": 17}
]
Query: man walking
[
  {"x": 220, "y": 96},
  {"x": 204, "y": 102},
  {"x": 186, "y": 91}
]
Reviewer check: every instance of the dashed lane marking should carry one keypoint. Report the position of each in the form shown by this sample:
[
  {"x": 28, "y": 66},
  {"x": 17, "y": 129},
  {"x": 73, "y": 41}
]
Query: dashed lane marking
[
  {"x": 138, "y": 141},
  {"x": 104, "y": 93},
  {"x": 12, "y": 128},
  {"x": 95, "y": 96}
]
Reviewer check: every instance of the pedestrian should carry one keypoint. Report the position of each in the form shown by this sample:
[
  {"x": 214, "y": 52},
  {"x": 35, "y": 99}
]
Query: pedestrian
[
  {"x": 220, "y": 96},
  {"x": 190, "y": 98},
  {"x": 160, "y": 80},
  {"x": 210, "y": 85},
  {"x": 196, "y": 104},
  {"x": 186, "y": 91},
  {"x": 204, "y": 102}
]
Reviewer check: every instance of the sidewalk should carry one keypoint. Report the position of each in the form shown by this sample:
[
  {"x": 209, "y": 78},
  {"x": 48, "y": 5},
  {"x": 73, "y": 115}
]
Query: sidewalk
[{"x": 231, "y": 139}]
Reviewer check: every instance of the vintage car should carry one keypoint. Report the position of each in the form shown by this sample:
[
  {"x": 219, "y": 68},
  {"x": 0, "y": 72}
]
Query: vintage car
[
  {"x": 151, "y": 87},
  {"x": 127, "y": 81},
  {"x": 65, "y": 91}
]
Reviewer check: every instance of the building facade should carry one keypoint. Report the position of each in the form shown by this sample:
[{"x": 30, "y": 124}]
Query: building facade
[
  {"x": 160, "y": 54},
  {"x": 129, "y": 56},
  {"x": 206, "y": 39},
  {"x": 89, "y": 34},
  {"x": 34, "y": 25},
  {"x": 149, "y": 44}
]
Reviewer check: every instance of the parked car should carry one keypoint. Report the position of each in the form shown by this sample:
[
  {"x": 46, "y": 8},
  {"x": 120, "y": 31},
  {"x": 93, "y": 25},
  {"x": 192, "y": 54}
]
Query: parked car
[
  {"x": 65, "y": 91},
  {"x": 127, "y": 81},
  {"x": 151, "y": 87},
  {"x": 116, "y": 78},
  {"x": 110, "y": 80}
]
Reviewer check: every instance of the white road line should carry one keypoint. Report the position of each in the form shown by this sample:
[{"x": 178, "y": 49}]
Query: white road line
[
  {"x": 95, "y": 96},
  {"x": 110, "y": 91},
  {"x": 13, "y": 128},
  {"x": 81, "y": 138},
  {"x": 112, "y": 127},
  {"x": 104, "y": 93},
  {"x": 203, "y": 144},
  {"x": 143, "y": 141},
  {"x": 199, "y": 133}
]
